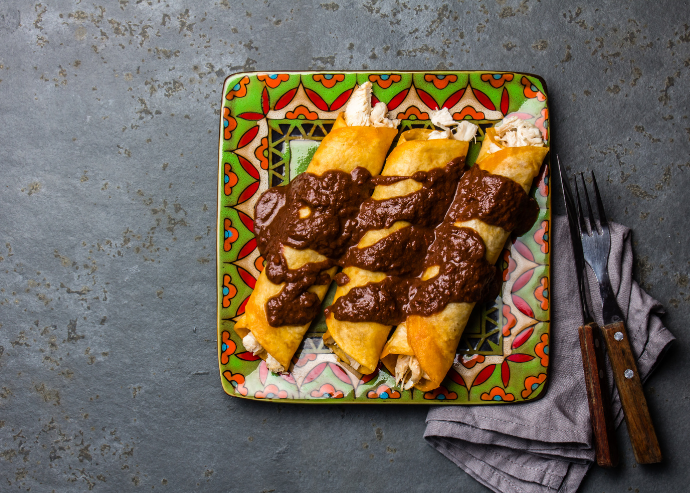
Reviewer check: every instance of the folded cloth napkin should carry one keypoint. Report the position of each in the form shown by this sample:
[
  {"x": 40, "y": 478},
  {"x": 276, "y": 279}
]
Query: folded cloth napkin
[{"x": 546, "y": 445}]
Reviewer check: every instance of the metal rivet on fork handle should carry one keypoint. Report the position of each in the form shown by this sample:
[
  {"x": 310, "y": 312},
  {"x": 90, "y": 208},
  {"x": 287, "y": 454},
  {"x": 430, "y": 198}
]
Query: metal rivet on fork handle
[
  {"x": 618, "y": 336},
  {"x": 629, "y": 373}
]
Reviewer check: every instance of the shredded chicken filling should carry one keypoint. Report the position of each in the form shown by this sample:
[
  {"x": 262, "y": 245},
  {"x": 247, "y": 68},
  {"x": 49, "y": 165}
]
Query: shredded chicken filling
[
  {"x": 408, "y": 372},
  {"x": 463, "y": 130},
  {"x": 359, "y": 113},
  {"x": 514, "y": 132},
  {"x": 342, "y": 355},
  {"x": 252, "y": 345}
]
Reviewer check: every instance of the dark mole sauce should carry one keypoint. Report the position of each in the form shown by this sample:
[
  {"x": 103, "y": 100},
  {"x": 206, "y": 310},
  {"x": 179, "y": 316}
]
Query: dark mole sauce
[
  {"x": 464, "y": 276},
  {"x": 425, "y": 207},
  {"x": 401, "y": 253},
  {"x": 342, "y": 211},
  {"x": 464, "y": 273},
  {"x": 341, "y": 279},
  {"x": 494, "y": 199},
  {"x": 398, "y": 254},
  {"x": 333, "y": 199}
]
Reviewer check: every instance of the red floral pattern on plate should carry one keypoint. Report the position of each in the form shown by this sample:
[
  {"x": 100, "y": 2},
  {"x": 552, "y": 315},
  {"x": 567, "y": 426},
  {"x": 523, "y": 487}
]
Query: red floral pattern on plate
[
  {"x": 497, "y": 394},
  {"x": 385, "y": 80},
  {"x": 239, "y": 90},
  {"x": 237, "y": 381},
  {"x": 497, "y": 80},
  {"x": 441, "y": 81},
  {"x": 541, "y": 236},
  {"x": 531, "y": 91},
  {"x": 542, "y": 350},
  {"x": 469, "y": 113},
  {"x": 383, "y": 392},
  {"x": 327, "y": 390},
  {"x": 229, "y": 290},
  {"x": 261, "y": 153},
  {"x": 273, "y": 80},
  {"x": 329, "y": 80},
  {"x": 227, "y": 348},
  {"x": 229, "y": 124},
  {"x": 412, "y": 113},
  {"x": 301, "y": 113},
  {"x": 542, "y": 293},
  {"x": 440, "y": 394},
  {"x": 231, "y": 235},
  {"x": 271, "y": 392},
  {"x": 532, "y": 384}
]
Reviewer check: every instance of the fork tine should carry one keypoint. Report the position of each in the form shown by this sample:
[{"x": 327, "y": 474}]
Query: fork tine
[
  {"x": 600, "y": 205},
  {"x": 580, "y": 214},
  {"x": 592, "y": 223}
]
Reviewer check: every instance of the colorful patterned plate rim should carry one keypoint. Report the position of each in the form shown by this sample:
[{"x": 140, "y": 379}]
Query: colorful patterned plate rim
[{"x": 270, "y": 126}]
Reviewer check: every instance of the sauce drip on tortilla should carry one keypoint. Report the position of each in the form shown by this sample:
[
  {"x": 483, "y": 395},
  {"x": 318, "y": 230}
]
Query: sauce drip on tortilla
[{"x": 331, "y": 202}]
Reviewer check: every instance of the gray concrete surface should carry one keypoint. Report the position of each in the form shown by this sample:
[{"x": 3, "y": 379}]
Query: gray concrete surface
[{"x": 108, "y": 142}]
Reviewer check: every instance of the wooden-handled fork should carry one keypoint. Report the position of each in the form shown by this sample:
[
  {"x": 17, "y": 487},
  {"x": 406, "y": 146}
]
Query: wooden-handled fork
[
  {"x": 596, "y": 244},
  {"x": 592, "y": 347}
]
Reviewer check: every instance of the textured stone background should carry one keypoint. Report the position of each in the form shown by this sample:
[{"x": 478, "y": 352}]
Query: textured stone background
[{"x": 109, "y": 123}]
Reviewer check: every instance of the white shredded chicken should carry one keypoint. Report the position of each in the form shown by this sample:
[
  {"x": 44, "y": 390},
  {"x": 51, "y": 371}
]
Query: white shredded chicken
[
  {"x": 353, "y": 363},
  {"x": 273, "y": 364},
  {"x": 463, "y": 130},
  {"x": 359, "y": 113},
  {"x": 252, "y": 345},
  {"x": 514, "y": 132},
  {"x": 408, "y": 372},
  {"x": 333, "y": 346}
]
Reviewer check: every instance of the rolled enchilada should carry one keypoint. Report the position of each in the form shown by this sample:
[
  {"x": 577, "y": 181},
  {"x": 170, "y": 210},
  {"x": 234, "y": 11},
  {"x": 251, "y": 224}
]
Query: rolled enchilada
[
  {"x": 396, "y": 227},
  {"x": 490, "y": 204},
  {"x": 302, "y": 227}
]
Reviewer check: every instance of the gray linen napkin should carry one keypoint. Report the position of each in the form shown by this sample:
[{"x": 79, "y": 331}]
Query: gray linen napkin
[{"x": 546, "y": 445}]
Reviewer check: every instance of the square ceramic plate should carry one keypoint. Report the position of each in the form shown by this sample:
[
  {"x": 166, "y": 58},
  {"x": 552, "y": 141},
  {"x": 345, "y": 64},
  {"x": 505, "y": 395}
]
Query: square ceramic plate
[{"x": 271, "y": 124}]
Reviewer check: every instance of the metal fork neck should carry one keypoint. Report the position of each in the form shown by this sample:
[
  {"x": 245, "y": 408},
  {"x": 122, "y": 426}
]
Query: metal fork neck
[{"x": 610, "y": 311}]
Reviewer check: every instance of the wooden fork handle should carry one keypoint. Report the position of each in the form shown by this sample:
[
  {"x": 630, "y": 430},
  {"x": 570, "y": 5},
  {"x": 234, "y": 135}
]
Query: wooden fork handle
[
  {"x": 593, "y": 362},
  {"x": 640, "y": 427}
]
